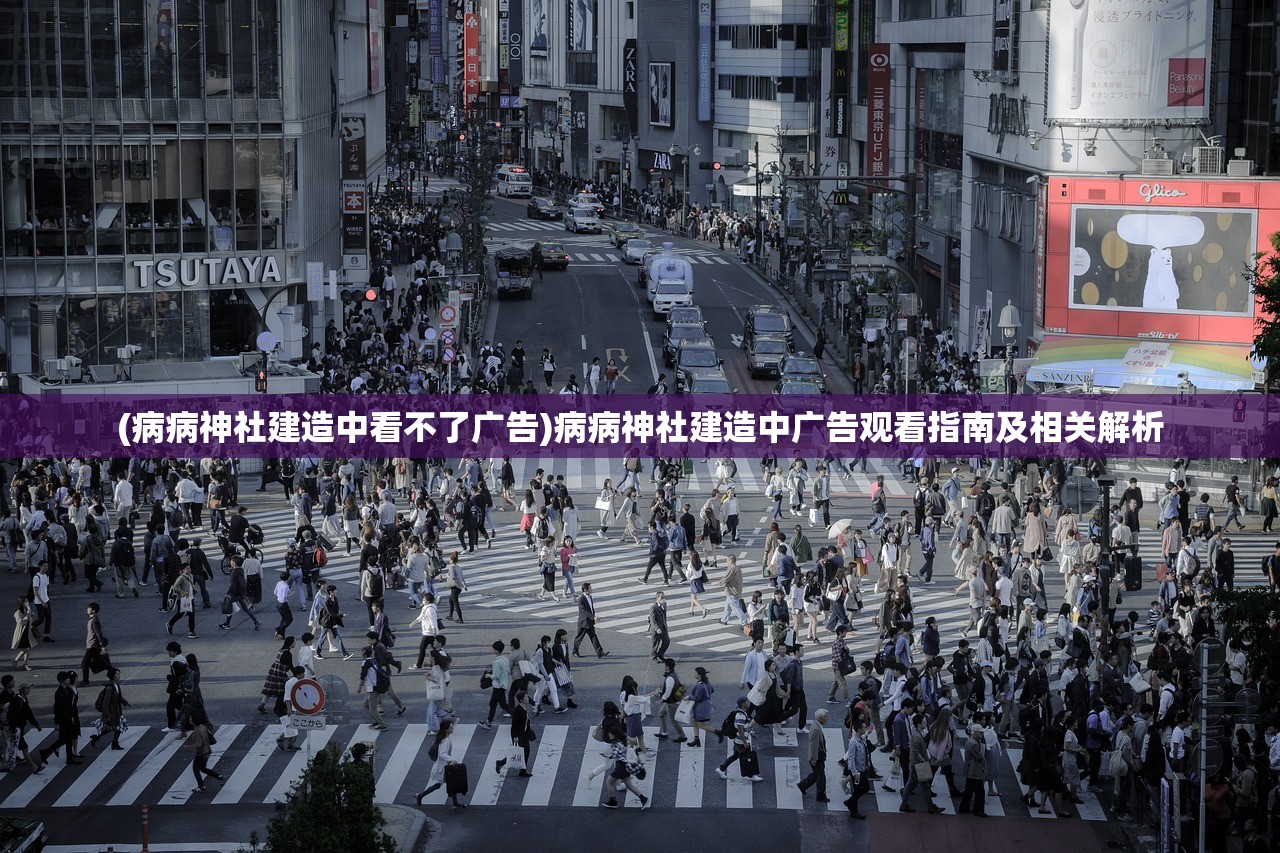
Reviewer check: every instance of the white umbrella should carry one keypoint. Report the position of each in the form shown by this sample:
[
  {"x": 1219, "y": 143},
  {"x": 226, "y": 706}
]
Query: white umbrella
[{"x": 839, "y": 527}]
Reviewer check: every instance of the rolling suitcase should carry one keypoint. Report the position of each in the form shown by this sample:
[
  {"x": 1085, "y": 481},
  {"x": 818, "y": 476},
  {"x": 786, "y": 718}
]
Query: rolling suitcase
[
  {"x": 749, "y": 763},
  {"x": 1132, "y": 573},
  {"x": 455, "y": 779}
]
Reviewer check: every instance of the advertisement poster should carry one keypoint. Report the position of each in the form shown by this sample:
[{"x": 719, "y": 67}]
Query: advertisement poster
[
  {"x": 878, "y": 80},
  {"x": 1152, "y": 259},
  {"x": 376, "y": 53},
  {"x": 704, "y": 60},
  {"x": 582, "y": 29},
  {"x": 1129, "y": 60},
  {"x": 660, "y": 94},
  {"x": 538, "y": 43},
  {"x": 1125, "y": 259},
  {"x": 515, "y": 66}
]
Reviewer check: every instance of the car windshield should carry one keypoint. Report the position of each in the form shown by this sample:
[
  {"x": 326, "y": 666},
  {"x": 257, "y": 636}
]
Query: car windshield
[
  {"x": 713, "y": 385},
  {"x": 799, "y": 388},
  {"x": 672, "y": 288},
  {"x": 638, "y": 245},
  {"x": 552, "y": 247},
  {"x": 802, "y": 365},
  {"x": 771, "y": 346},
  {"x": 770, "y": 323},
  {"x": 699, "y": 358}
]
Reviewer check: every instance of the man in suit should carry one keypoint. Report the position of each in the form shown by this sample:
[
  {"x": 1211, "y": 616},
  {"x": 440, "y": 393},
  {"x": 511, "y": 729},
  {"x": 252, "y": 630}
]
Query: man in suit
[
  {"x": 587, "y": 622},
  {"x": 658, "y": 627},
  {"x": 66, "y": 717}
]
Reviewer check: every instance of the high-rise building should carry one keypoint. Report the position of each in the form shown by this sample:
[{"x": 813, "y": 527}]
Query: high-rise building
[{"x": 169, "y": 169}]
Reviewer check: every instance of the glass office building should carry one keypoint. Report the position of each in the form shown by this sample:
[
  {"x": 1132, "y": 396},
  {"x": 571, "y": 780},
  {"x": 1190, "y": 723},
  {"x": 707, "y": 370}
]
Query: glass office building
[{"x": 167, "y": 175}]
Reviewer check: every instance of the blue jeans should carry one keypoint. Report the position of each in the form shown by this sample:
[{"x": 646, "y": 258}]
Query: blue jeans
[
  {"x": 629, "y": 475},
  {"x": 926, "y": 571},
  {"x": 568, "y": 584},
  {"x": 733, "y": 609},
  {"x": 415, "y": 593},
  {"x": 610, "y": 386}
]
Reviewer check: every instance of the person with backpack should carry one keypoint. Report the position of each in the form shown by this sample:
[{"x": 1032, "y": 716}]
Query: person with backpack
[
  {"x": 91, "y": 551},
  {"x": 738, "y": 727},
  {"x": 110, "y": 704},
  {"x": 375, "y": 680},
  {"x": 123, "y": 564}
]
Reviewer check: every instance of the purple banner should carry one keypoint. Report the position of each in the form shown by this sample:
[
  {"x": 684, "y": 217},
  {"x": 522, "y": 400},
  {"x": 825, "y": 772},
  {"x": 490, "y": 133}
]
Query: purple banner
[{"x": 1161, "y": 426}]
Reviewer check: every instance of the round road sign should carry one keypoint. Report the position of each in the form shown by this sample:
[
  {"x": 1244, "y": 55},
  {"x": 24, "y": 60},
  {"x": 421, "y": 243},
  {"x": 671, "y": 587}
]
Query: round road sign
[
  {"x": 430, "y": 334},
  {"x": 448, "y": 337},
  {"x": 448, "y": 355},
  {"x": 1211, "y": 653},
  {"x": 266, "y": 341},
  {"x": 307, "y": 697},
  {"x": 448, "y": 314},
  {"x": 844, "y": 297}
]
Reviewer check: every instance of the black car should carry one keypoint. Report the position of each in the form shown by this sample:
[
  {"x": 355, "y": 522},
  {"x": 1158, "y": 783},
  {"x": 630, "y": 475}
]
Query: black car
[
  {"x": 708, "y": 382},
  {"x": 765, "y": 355},
  {"x": 766, "y": 320},
  {"x": 803, "y": 368},
  {"x": 677, "y": 336},
  {"x": 691, "y": 358},
  {"x": 542, "y": 208}
]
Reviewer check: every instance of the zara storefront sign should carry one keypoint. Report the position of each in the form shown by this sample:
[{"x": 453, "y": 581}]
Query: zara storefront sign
[{"x": 205, "y": 272}]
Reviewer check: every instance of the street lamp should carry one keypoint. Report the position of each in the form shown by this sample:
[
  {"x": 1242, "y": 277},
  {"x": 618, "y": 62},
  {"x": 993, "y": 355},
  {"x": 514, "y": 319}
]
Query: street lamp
[
  {"x": 1009, "y": 324},
  {"x": 692, "y": 151}
]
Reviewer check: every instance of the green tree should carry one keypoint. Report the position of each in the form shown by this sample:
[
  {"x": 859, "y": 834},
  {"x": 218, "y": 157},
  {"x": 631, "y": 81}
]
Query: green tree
[
  {"x": 1251, "y": 615},
  {"x": 476, "y": 176},
  {"x": 1264, "y": 278},
  {"x": 329, "y": 810}
]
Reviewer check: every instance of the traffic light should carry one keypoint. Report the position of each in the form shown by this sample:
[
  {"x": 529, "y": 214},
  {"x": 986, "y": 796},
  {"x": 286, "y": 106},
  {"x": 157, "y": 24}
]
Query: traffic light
[
  {"x": 497, "y": 125},
  {"x": 713, "y": 167},
  {"x": 462, "y": 137},
  {"x": 371, "y": 295},
  {"x": 1238, "y": 410},
  {"x": 260, "y": 381}
]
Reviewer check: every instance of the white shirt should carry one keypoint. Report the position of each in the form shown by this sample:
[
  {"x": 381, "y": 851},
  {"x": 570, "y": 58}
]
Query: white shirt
[
  {"x": 1004, "y": 588},
  {"x": 123, "y": 493},
  {"x": 428, "y": 619},
  {"x": 40, "y": 587},
  {"x": 282, "y": 592}
]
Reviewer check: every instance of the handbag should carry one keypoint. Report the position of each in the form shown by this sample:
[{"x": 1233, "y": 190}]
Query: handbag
[
  {"x": 684, "y": 712},
  {"x": 924, "y": 771},
  {"x": 755, "y": 696},
  {"x": 186, "y": 603},
  {"x": 435, "y": 691},
  {"x": 515, "y": 758},
  {"x": 563, "y": 676},
  {"x": 604, "y": 504},
  {"x": 813, "y": 515},
  {"x": 527, "y": 668},
  {"x": 746, "y": 630}
]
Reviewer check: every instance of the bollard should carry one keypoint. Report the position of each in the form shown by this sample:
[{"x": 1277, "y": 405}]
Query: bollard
[{"x": 145, "y": 829}]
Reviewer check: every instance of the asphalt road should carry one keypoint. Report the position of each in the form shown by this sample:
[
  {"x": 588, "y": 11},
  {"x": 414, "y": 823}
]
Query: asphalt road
[{"x": 595, "y": 309}]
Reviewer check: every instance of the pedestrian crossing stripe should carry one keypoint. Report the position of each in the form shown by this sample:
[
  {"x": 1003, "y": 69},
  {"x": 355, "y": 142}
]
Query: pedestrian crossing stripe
[{"x": 677, "y": 776}]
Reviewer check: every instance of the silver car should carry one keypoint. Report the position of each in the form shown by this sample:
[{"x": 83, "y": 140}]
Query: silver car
[
  {"x": 579, "y": 220},
  {"x": 634, "y": 251}
]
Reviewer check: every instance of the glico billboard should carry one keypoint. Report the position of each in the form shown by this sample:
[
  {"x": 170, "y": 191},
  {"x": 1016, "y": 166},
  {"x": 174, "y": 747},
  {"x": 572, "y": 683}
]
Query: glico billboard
[{"x": 1155, "y": 257}]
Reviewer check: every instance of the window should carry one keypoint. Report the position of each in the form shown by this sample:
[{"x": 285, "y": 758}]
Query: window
[
  {"x": 72, "y": 23},
  {"x": 242, "y": 32},
  {"x": 233, "y": 322},
  {"x": 102, "y": 46},
  {"x": 764, "y": 36},
  {"x": 268, "y": 49},
  {"x": 189, "y": 49},
  {"x": 133, "y": 48},
  {"x": 631, "y": 10}
]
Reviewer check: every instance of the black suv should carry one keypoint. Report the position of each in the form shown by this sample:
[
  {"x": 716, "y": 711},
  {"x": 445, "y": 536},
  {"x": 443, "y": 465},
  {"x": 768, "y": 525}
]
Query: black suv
[
  {"x": 692, "y": 358},
  {"x": 766, "y": 320},
  {"x": 677, "y": 336}
]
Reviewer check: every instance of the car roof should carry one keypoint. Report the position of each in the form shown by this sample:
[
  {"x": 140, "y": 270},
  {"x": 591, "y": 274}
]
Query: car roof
[{"x": 803, "y": 359}]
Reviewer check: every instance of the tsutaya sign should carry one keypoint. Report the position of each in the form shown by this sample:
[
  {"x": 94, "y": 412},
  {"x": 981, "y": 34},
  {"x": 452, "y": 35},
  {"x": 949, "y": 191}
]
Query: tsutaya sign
[{"x": 205, "y": 272}]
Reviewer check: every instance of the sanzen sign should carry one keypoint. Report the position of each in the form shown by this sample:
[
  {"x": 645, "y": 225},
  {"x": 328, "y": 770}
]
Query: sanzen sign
[{"x": 233, "y": 271}]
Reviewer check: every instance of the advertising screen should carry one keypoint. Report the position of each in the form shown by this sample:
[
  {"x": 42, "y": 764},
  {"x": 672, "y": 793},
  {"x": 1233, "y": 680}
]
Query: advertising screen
[
  {"x": 1128, "y": 60},
  {"x": 1157, "y": 258}
]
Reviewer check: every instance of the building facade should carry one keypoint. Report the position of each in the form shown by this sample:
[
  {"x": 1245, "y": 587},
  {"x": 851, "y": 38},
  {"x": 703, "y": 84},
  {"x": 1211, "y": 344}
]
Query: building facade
[{"x": 169, "y": 169}]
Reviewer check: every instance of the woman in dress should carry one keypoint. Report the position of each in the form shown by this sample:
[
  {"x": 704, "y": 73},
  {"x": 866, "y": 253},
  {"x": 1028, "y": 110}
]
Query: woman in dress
[
  {"x": 528, "y": 510},
  {"x": 711, "y": 535},
  {"x": 569, "y": 565},
  {"x": 252, "y": 567},
  {"x": 697, "y": 582},
  {"x": 569, "y": 518},
  {"x": 277, "y": 675},
  {"x": 1034, "y": 536},
  {"x": 633, "y": 705},
  {"x": 24, "y": 619},
  {"x": 608, "y": 494},
  {"x": 701, "y": 696},
  {"x": 1072, "y": 752},
  {"x": 1269, "y": 499},
  {"x": 192, "y": 697},
  {"x": 441, "y": 751}
]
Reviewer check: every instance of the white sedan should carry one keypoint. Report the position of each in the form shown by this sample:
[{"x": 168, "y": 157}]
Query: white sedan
[{"x": 589, "y": 201}]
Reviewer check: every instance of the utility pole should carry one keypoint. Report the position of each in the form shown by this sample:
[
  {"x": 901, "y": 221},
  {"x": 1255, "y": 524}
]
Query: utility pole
[{"x": 759, "y": 229}]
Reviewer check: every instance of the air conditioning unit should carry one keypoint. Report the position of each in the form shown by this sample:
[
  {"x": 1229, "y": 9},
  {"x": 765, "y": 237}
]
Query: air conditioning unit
[
  {"x": 1238, "y": 167},
  {"x": 1207, "y": 160},
  {"x": 1162, "y": 167}
]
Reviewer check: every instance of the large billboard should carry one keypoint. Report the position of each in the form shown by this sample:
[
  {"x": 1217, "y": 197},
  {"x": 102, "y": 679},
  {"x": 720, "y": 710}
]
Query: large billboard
[
  {"x": 1129, "y": 60},
  {"x": 661, "y": 79},
  {"x": 581, "y": 18},
  {"x": 879, "y": 78},
  {"x": 538, "y": 42},
  {"x": 1158, "y": 258}
]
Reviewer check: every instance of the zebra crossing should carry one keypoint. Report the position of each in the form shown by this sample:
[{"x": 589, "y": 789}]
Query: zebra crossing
[{"x": 153, "y": 768}]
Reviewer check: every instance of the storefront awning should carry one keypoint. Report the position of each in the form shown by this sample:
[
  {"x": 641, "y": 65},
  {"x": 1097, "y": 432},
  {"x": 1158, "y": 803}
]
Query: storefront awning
[{"x": 1116, "y": 362}]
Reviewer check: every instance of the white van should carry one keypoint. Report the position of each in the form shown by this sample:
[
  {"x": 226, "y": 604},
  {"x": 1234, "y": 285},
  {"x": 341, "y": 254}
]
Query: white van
[{"x": 514, "y": 181}]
